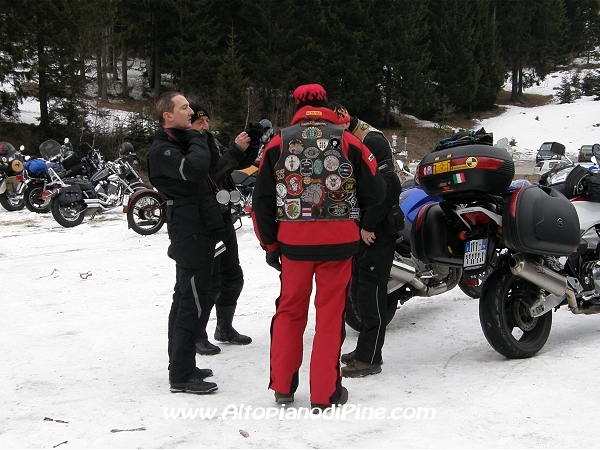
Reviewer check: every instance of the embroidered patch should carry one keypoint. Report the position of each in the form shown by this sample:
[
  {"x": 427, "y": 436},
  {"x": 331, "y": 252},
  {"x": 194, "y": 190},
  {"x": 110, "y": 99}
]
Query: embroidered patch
[
  {"x": 322, "y": 144},
  {"x": 345, "y": 170},
  {"x": 294, "y": 184},
  {"x": 338, "y": 209},
  {"x": 292, "y": 163},
  {"x": 311, "y": 133},
  {"x": 281, "y": 190},
  {"x": 349, "y": 185},
  {"x": 306, "y": 167},
  {"x": 296, "y": 146},
  {"x": 313, "y": 123},
  {"x": 292, "y": 208},
  {"x": 338, "y": 196},
  {"x": 317, "y": 167},
  {"x": 311, "y": 152},
  {"x": 354, "y": 213},
  {"x": 335, "y": 142},
  {"x": 280, "y": 212},
  {"x": 333, "y": 153},
  {"x": 331, "y": 163},
  {"x": 314, "y": 194},
  {"x": 307, "y": 213},
  {"x": 333, "y": 182},
  {"x": 279, "y": 174},
  {"x": 314, "y": 113}
]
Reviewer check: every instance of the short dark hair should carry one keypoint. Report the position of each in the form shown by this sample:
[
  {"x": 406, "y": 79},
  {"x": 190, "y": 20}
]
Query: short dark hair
[{"x": 165, "y": 103}]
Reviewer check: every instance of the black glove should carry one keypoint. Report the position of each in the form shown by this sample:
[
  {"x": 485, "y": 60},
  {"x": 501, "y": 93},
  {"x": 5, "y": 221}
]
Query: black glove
[
  {"x": 274, "y": 259},
  {"x": 186, "y": 138},
  {"x": 255, "y": 131}
]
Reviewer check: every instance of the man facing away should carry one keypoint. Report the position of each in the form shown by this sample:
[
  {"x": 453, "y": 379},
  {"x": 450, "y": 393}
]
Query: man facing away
[
  {"x": 379, "y": 226},
  {"x": 313, "y": 179}
]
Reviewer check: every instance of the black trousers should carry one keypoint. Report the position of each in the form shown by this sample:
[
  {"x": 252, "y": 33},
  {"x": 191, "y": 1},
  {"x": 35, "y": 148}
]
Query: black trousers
[
  {"x": 194, "y": 258},
  {"x": 227, "y": 277},
  {"x": 370, "y": 272}
]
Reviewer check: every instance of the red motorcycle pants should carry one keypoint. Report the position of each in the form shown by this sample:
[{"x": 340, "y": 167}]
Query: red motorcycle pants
[{"x": 289, "y": 322}]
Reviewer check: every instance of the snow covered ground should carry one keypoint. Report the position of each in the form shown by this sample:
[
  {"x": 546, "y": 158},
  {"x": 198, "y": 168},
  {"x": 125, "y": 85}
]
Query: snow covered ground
[{"x": 83, "y": 322}]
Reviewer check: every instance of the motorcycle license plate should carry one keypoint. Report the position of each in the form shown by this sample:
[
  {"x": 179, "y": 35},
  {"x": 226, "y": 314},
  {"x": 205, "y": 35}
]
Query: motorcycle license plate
[
  {"x": 125, "y": 199},
  {"x": 475, "y": 252}
]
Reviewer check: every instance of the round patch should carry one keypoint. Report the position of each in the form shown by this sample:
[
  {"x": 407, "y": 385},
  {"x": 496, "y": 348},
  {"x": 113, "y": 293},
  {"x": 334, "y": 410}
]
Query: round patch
[
  {"x": 349, "y": 185},
  {"x": 292, "y": 163},
  {"x": 311, "y": 152},
  {"x": 345, "y": 170},
  {"x": 281, "y": 190},
  {"x": 295, "y": 146},
  {"x": 333, "y": 182},
  {"x": 311, "y": 133},
  {"x": 471, "y": 162},
  {"x": 294, "y": 184},
  {"x": 331, "y": 163}
]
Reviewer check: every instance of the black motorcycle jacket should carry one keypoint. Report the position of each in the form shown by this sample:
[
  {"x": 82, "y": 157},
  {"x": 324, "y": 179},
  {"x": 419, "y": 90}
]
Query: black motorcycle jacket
[
  {"x": 386, "y": 216},
  {"x": 178, "y": 166}
]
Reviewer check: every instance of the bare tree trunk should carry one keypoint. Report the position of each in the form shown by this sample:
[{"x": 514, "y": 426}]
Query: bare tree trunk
[
  {"x": 99, "y": 71},
  {"x": 115, "y": 72},
  {"x": 104, "y": 94},
  {"x": 124, "y": 83},
  {"x": 42, "y": 87},
  {"x": 156, "y": 72},
  {"x": 388, "y": 95},
  {"x": 514, "y": 95}
]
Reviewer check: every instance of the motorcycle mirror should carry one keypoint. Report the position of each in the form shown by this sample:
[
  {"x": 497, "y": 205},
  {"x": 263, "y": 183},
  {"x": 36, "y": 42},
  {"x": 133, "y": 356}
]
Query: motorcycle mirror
[
  {"x": 223, "y": 197},
  {"x": 235, "y": 196},
  {"x": 22, "y": 148},
  {"x": 66, "y": 141}
]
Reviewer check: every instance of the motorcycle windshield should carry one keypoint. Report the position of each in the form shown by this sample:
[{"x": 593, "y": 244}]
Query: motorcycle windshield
[
  {"x": 50, "y": 150},
  {"x": 7, "y": 150}
]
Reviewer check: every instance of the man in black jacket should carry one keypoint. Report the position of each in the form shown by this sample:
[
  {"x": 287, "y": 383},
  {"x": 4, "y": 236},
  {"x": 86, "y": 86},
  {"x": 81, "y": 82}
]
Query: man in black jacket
[
  {"x": 379, "y": 226},
  {"x": 179, "y": 162},
  {"x": 227, "y": 277}
]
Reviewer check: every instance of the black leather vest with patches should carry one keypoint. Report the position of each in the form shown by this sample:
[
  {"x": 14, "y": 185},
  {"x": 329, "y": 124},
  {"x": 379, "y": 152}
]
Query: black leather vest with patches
[{"x": 315, "y": 180}]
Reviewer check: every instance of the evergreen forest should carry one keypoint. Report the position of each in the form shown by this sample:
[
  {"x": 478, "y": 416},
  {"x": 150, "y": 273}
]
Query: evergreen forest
[{"x": 243, "y": 58}]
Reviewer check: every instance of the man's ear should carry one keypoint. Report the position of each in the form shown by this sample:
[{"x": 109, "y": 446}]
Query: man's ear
[{"x": 167, "y": 116}]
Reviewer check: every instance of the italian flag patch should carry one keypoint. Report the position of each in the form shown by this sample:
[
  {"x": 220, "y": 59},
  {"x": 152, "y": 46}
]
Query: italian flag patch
[{"x": 458, "y": 178}]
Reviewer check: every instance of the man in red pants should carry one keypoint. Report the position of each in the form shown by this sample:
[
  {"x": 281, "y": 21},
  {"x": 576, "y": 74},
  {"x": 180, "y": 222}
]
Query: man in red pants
[{"x": 313, "y": 180}]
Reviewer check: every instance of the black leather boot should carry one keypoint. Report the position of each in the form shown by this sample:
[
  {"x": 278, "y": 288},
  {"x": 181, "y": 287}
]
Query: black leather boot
[
  {"x": 224, "y": 332},
  {"x": 205, "y": 347}
]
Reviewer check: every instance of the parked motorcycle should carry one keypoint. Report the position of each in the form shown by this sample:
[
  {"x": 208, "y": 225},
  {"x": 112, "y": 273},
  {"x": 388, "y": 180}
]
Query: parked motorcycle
[
  {"x": 104, "y": 188},
  {"x": 547, "y": 244},
  {"x": 410, "y": 276},
  {"x": 36, "y": 176},
  {"x": 11, "y": 166}
]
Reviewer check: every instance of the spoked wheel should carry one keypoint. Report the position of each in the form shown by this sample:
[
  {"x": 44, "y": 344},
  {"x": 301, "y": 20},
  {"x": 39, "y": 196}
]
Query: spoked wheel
[
  {"x": 146, "y": 214},
  {"x": 11, "y": 202},
  {"x": 353, "y": 318},
  {"x": 68, "y": 216},
  {"x": 33, "y": 198},
  {"x": 505, "y": 318}
]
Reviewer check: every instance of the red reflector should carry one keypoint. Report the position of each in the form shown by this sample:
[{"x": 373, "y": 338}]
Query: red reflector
[
  {"x": 475, "y": 218},
  {"x": 46, "y": 194},
  {"x": 513, "y": 203},
  {"x": 472, "y": 282},
  {"x": 19, "y": 177}
]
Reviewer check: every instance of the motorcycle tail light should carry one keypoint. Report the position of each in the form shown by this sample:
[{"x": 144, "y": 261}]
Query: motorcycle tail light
[
  {"x": 472, "y": 282},
  {"x": 46, "y": 194},
  {"x": 461, "y": 235},
  {"x": 476, "y": 218}
]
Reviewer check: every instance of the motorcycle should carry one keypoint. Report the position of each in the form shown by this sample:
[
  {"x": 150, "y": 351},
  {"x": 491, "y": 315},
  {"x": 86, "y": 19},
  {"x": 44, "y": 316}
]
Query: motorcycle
[
  {"x": 36, "y": 176},
  {"x": 104, "y": 187},
  {"x": 546, "y": 239},
  {"x": 11, "y": 166},
  {"x": 410, "y": 276}
]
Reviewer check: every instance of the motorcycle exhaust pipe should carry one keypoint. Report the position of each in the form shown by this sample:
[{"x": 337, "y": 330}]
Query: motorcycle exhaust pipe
[
  {"x": 92, "y": 205},
  {"x": 403, "y": 273},
  {"x": 538, "y": 274}
]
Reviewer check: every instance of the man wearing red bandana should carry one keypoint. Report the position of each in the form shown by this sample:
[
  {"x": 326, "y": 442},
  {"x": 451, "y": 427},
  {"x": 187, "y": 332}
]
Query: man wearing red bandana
[{"x": 312, "y": 233}]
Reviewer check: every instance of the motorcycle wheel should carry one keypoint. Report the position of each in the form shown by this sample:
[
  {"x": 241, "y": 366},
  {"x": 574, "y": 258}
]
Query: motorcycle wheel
[
  {"x": 33, "y": 198},
  {"x": 11, "y": 202},
  {"x": 353, "y": 318},
  {"x": 505, "y": 319},
  {"x": 146, "y": 214},
  {"x": 66, "y": 215}
]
